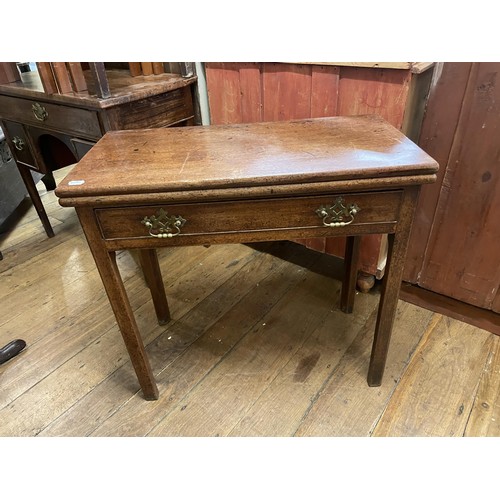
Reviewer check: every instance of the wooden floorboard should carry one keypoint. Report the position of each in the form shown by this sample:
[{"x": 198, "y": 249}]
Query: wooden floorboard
[
  {"x": 219, "y": 401},
  {"x": 436, "y": 396},
  {"x": 257, "y": 346},
  {"x": 484, "y": 419},
  {"x": 290, "y": 394},
  {"x": 172, "y": 353},
  {"x": 346, "y": 406}
]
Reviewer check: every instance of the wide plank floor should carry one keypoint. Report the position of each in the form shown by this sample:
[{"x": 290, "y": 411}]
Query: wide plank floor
[{"x": 257, "y": 346}]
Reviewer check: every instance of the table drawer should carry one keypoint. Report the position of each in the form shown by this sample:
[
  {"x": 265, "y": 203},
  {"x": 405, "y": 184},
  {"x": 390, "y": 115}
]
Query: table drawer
[
  {"x": 323, "y": 212},
  {"x": 67, "y": 119}
]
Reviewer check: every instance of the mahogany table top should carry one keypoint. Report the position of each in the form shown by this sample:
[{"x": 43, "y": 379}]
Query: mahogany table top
[{"x": 247, "y": 155}]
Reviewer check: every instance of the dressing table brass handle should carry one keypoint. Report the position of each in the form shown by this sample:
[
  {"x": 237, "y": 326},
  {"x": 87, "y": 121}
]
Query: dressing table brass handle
[
  {"x": 18, "y": 143},
  {"x": 40, "y": 112},
  {"x": 163, "y": 225},
  {"x": 339, "y": 214}
]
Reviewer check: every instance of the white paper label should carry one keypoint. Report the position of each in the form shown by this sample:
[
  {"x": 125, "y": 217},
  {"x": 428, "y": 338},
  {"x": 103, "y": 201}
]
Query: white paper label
[{"x": 75, "y": 183}]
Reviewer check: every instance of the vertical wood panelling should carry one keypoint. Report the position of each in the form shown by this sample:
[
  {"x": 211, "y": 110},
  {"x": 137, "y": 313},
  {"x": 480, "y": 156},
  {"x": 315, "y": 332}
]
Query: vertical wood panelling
[
  {"x": 335, "y": 246},
  {"x": 223, "y": 83},
  {"x": 436, "y": 137},
  {"x": 295, "y": 92},
  {"x": 318, "y": 244},
  {"x": 324, "y": 90},
  {"x": 462, "y": 257},
  {"x": 369, "y": 253},
  {"x": 250, "y": 92},
  {"x": 286, "y": 91},
  {"x": 270, "y": 92},
  {"x": 368, "y": 91}
]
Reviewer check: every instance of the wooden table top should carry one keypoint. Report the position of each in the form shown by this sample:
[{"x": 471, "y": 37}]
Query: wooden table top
[{"x": 248, "y": 155}]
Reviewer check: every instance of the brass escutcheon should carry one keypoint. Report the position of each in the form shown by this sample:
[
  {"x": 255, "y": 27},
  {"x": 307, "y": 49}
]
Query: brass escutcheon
[
  {"x": 163, "y": 225},
  {"x": 338, "y": 214},
  {"x": 39, "y": 111},
  {"x": 18, "y": 143}
]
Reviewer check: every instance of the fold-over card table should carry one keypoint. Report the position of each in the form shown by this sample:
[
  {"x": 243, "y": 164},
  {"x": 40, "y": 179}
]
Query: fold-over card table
[{"x": 325, "y": 177}]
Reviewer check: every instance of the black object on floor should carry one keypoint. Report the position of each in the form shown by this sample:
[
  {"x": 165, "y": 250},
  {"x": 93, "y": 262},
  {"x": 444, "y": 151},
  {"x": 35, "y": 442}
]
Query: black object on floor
[{"x": 11, "y": 349}]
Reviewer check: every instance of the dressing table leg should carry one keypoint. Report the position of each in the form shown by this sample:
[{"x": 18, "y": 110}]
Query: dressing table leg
[{"x": 35, "y": 198}]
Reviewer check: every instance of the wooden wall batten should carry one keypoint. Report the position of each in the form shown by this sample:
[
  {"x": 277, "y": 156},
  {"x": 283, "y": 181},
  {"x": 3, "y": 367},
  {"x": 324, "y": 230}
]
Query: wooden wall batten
[{"x": 271, "y": 91}]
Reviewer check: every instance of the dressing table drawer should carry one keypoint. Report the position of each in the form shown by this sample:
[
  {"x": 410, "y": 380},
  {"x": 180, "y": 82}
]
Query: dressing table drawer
[{"x": 71, "y": 120}]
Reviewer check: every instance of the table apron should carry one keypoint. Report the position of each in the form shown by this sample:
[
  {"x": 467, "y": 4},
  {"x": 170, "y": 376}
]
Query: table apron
[
  {"x": 249, "y": 236},
  {"x": 250, "y": 220}
]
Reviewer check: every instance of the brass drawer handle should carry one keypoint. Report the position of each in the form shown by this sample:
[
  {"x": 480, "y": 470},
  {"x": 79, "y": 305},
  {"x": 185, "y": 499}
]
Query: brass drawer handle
[
  {"x": 40, "y": 112},
  {"x": 18, "y": 143},
  {"x": 338, "y": 214},
  {"x": 163, "y": 225}
]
